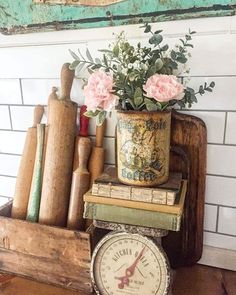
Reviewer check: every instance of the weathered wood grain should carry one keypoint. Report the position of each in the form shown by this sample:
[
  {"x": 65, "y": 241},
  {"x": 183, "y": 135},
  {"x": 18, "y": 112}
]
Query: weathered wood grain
[
  {"x": 26, "y": 168},
  {"x": 44, "y": 253},
  {"x": 42, "y": 15},
  {"x": 59, "y": 155},
  {"x": 189, "y": 133}
]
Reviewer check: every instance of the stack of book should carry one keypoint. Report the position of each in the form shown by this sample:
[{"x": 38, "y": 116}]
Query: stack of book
[{"x": 159, "y": 207}]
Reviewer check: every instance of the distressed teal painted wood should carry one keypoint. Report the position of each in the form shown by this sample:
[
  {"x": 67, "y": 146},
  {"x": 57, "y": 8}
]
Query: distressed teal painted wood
[{"x": 17, "y": 16}]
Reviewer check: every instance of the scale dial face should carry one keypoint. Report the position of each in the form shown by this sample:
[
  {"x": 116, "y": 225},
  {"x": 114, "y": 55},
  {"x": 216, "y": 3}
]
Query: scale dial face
[{"x": 129, "y": 264}]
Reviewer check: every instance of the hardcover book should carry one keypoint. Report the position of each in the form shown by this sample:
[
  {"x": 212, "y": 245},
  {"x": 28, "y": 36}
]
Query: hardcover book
[
  {"x": 134, "y": 216},
  {"x": 108, "y": 186}
]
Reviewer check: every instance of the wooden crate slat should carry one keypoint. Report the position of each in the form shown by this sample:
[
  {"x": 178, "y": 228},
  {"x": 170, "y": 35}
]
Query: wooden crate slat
[
  {"x": 48, "y": 254},
  {"x": 44, "y": 270}
]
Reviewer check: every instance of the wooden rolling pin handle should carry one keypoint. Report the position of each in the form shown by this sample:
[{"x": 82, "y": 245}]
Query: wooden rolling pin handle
[
  {"x": 67, "y": 77},
  {"x": 84, "y": 149},
  {"x": 38, "y": 114},
  {"x": 100, "y": 132},
  {"x": 83, "y": 122},
  {"x": 52, "y": 96}
]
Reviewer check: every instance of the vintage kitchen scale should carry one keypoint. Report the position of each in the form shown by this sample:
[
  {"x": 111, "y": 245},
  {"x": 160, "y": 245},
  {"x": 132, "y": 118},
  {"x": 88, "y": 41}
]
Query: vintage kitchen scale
[
  {"x": 131, "y": 260},
  {"x": 128, "y": 263}
]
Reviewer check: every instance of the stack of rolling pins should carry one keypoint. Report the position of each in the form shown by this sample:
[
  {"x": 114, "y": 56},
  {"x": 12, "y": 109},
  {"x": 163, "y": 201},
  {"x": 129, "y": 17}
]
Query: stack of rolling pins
[{"x": 57, "y": 166}]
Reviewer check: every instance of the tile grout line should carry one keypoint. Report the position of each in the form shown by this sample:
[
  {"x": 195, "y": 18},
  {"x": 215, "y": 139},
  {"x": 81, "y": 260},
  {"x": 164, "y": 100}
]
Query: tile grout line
[
  {"x": 20, "y": 105},
  {"x": 225, "y": 128},
  {"x": 13, "y": 130},
  {"x": 10, "y": 154},
  {"x": 221, "y": 175},
  {"x": 206, "y": 110},
  {"x": 222, "y": 144},
  {"x": 221, "y": 205},
  {"x": 5, "y": 197},
  {"x": 21, "y": 91},
  {"x": 8, "y": 176},
  {"x": 219, "y": 233},
  {"x": 217, "y": 218},
  {"x": 9, "y": 110}
]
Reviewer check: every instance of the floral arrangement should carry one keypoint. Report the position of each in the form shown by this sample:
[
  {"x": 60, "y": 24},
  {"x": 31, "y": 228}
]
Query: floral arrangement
[{"x": 138, "y": 78}]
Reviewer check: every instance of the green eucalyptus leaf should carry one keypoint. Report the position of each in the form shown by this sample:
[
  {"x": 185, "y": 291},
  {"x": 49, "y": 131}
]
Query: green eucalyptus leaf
[
  {"x": 91, "y": 114},
  {"x": 189, "y": 45},
  {"x": 151, "y": 71},
  {"x": 138, "y": 101},
  {"x": 173, "y": 55},
  {"x": 89, "y": 55},
  {"x": 147, "y": 29},
  {"x": 158, "y": 31},
  {"x": 181, "y": 59},
  {"x": 156, "y": 39},
  {"x": 80, "y": 66},
  {"x": 97, "y": 60},
  {"x": 101, "y": 118},
  {"x": 193, "y": 97},
  {"x": 106, "y": 51},
  {"x": 158, "y": 64},
  {"x": 191, "y": 90},
  {"x": 212, "y": 84},
  {"x": 133, "y": 75},
  {"x": 74, "y": 55},
  {"x": 181, "y": 103},
  {"x": 138, "y": 96},
  {"x": 173, "y": 65},
  {"x": 165, "y": 47},
  {"x": 74, "y": 64},
  {"x": 105, "y": 60},
  {"x": 116, "y": 50},
  {"x": 90, "y": 71},
  {"x": 151, "y": 107}
]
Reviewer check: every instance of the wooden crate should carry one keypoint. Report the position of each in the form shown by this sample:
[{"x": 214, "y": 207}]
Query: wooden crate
[{"x": 44, "y": 253}]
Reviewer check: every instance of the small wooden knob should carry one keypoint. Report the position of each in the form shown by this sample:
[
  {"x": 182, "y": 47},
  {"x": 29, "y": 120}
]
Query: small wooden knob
[
  {"x": 38, "y": 114},
  {"x": 52, "y": 96},
  {"x": 67, "y": 77}
]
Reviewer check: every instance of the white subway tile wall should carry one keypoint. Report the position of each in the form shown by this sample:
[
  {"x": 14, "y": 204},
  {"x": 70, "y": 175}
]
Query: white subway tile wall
[
  {"x": 5, "y": 122},
  {"x": 210, "y": 219},
  {"x": 230, "y": 136},
  {"x": 30, "y": 66},
  {"x": 227, "y": 221}
]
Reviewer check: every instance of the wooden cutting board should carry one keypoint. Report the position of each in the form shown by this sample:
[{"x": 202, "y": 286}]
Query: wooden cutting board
[{"x": 189, "y": 134}]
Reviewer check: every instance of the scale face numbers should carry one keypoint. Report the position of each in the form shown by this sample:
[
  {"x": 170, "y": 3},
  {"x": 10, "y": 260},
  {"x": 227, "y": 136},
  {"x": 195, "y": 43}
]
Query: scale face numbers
[{"x": 129, "y": 264}]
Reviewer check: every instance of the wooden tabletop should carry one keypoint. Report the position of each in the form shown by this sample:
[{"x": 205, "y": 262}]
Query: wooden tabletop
[{"x": 196, "y": 280}]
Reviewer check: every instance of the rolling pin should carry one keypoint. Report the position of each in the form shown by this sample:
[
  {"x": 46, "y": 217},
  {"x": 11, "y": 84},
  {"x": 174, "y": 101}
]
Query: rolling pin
[
  {"x": 96, "y": 161},
  {"x": 36, "y": 185},
  {"x": 83, "y": 124},
  {"x": 59, "y": 155},
  {"x": 80, "y": 185},
  {"x": 52, "y": 96},
  {"x": 25, "y": 172}
]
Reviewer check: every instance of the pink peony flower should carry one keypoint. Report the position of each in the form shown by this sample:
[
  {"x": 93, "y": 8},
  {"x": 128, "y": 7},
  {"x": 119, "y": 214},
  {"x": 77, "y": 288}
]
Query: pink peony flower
[
  {"x": 98, "y": 92},
  {"x": 163, "y": 88}
]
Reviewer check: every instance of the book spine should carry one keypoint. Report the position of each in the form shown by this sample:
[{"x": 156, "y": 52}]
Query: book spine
[
  {"x": 155, "y": 196},
  {"x": 132, "y": 216}
]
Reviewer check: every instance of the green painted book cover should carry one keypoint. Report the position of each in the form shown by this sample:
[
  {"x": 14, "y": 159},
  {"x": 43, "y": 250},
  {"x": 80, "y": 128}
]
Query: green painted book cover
[{"x": 132, "y": 216}]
